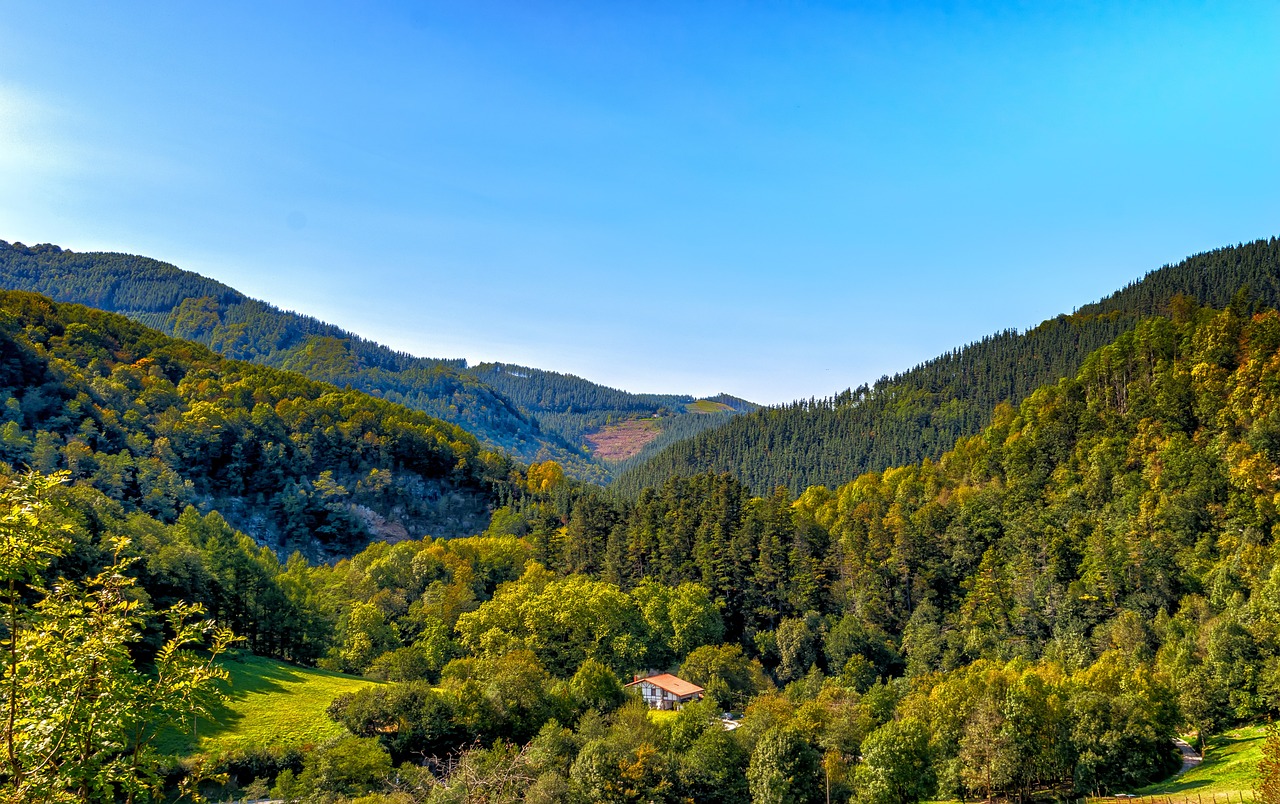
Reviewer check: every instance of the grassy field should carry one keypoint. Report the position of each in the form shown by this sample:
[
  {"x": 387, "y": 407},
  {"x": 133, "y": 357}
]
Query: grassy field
[
  {"x": 706, "y": 406},
  {"x": 1227, "y": 773},
  {"x": 273, "y": 706}
]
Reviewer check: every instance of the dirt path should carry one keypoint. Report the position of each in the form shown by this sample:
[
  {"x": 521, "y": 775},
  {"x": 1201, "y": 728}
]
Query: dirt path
[{"x": 1190, "y": 758}]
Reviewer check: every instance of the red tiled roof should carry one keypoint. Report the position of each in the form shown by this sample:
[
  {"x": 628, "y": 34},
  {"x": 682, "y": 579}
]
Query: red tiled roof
[{"x": 676, "y": 686}]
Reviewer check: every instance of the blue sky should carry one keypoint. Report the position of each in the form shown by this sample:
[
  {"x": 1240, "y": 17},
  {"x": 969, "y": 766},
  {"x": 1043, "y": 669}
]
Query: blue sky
[{"x": 776, "y": 200}]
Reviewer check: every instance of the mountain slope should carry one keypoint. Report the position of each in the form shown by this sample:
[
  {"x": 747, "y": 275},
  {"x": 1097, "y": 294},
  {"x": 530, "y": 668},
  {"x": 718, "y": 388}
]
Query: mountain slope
[
  {"x": 921, "y": 412},
  {"x": 159, "y": 424},
  {"x": 534, "y": 414}
]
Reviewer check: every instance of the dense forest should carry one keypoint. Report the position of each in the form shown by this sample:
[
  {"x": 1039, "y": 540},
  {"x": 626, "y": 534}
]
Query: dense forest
[
  {"x": 1039, "y": 611},
  {"x": 920, "y": 413},
  {"x": 159, "y": 424},
  {"x": 531, "y": 413}
]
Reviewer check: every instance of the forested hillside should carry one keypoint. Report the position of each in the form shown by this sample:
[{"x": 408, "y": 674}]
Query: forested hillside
[
  {"x": 1057, "y": 595},
  {"x": 920, "y": 413},
  {"x": 534, "y": 414},
  {"x": 1038, "y": 612},
  {"x": 158, "y": 424},
  {"x": 577, "y": 409}
]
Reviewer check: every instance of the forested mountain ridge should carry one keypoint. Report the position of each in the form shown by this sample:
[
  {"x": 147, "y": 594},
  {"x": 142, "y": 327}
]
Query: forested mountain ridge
[
  {"x": 159, "y": 423},
  {"x": 921, "y": 412},
  {"x": 534, "y": 414},
  {"x": 192, "y": 307}
]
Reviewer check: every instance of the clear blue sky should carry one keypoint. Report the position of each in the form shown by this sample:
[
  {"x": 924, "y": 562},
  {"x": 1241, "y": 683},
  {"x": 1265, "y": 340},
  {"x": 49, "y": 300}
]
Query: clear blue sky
[{"x": 776, "y": 200}]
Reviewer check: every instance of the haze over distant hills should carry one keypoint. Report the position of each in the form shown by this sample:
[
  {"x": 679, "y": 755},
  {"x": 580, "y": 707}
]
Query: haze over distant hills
[{"x": 533, "y": 413}]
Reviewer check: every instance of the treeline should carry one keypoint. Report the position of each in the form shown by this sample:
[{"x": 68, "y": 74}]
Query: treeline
[
  {"x": 573, "y": 407},
  {"x": 159, "y": 424},
  {"x": 920, "y": 413},
  {"x": 442, "y": 391},
  {"x": 538, "y": 389},
  {"x": 1055, "y": 597}
]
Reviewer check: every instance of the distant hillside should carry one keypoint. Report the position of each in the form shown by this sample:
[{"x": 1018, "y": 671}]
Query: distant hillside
[
  {"x": 534, "y": 414},
  {"x": 159, "y": 424},
  {"x": 581, "y": 411},
  {"x": 921, "y": 412}
]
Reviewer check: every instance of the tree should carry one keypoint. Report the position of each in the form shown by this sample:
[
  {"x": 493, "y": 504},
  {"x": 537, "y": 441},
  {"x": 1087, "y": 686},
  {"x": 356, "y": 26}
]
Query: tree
[
  {"x": 784, "y": 769},
  {"x": 80, "y": 717},
  {"x": 608, "y": 772},
  {"x": 410, "y": 718},
  {"x": 726, "y": 674},
  {"x": 595, "y": 686},
  {"x": 896, "y": 767},
  {"x": 797, "y": 645},
  {"x": 713, "y": 769},
  {"x": 986, "y": 750},
  {"x": 349, "y": 766},
  {"x": 1267, "y": 784},
  {"x": 497, "y": 775}
]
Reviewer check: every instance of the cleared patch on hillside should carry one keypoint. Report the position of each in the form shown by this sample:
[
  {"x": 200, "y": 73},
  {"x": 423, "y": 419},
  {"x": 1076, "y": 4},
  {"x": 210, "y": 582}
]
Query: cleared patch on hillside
[
  {"x": 617, "y": 442},
  {"x": 706, "y": 406},
  {"x": 274, "y": 707}
]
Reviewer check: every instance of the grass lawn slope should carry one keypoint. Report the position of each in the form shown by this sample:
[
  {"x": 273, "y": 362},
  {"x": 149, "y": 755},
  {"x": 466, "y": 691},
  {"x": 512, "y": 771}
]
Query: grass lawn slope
[
  {"x": 1230, "y": 765},
  {"x": 707, "y": 406},
  {"x": 273, "y": 707}
]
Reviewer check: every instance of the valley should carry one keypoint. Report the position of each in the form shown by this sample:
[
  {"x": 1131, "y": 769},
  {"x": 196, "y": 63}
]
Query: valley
[
  {"x": 1038, "y": 610},
  {"x": 639, "y": 403}
]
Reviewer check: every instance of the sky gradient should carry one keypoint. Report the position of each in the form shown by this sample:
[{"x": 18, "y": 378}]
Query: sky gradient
[{"x": 776, "y": 200}]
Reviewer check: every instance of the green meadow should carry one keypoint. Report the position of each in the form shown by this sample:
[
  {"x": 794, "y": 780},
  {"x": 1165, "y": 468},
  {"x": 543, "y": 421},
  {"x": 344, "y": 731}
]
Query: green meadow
[
  {"x": 273, "y": 706},
  {"x": 1228, "y": 771}
]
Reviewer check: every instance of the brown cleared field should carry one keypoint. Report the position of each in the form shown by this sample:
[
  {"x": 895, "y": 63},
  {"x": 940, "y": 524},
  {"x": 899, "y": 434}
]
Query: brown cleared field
[{"x": 620, "y": 441}]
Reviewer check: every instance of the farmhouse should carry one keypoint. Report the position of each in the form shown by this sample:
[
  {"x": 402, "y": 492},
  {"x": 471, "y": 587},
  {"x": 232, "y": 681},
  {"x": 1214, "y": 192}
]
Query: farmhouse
[{"x": 666, "y": 691}]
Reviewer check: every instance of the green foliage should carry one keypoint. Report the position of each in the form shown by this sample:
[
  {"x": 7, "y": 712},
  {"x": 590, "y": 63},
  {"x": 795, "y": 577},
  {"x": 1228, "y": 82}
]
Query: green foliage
[
  {"x": 410, "y": 719},
  {"x": 896, "y": 766},
  {"x": 508, "y": 695},
  {"x": 159, "y": 424},
  {"x": 348, "y": 766},
  {"x": 80, "y": 717},
  {"x": 565, "y": 622},
  {"x": 726, "y": 673},
  {"x": 596, "y": 687},
  {"x": 1268, "y": 782},
  {"x": 500, "y": 774},
  {"x": 784, "y": 769},
  {"x": 713, "y": 769}
]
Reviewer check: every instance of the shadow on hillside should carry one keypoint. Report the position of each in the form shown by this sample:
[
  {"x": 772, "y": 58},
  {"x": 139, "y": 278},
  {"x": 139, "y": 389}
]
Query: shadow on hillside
[{"x": 250, "y": 675}]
